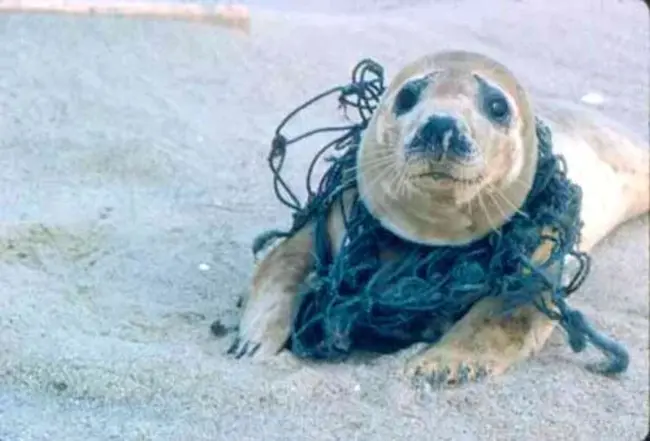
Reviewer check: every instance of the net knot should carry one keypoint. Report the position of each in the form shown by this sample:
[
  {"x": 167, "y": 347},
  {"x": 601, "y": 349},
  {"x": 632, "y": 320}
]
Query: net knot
[{"x": 278, "y": 147}]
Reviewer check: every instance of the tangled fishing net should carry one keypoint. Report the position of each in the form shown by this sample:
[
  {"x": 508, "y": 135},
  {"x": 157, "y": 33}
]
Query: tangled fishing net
[{"x": 356, "y": 301}]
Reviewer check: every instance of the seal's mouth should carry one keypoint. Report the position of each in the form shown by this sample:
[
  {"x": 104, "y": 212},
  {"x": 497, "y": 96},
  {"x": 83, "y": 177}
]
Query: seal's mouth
[{"x": 448, "y": 177}]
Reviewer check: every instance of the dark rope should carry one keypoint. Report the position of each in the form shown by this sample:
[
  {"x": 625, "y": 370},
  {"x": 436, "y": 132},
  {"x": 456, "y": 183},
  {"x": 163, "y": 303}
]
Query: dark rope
[{"x": 354, "y": 300}]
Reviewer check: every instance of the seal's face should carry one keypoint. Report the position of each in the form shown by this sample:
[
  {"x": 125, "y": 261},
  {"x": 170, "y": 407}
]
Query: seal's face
[{"x": 454, "y": 132}]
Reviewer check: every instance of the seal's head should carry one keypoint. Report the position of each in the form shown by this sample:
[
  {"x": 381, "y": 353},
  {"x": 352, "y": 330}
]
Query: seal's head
[{"x": 450, "y": 154}]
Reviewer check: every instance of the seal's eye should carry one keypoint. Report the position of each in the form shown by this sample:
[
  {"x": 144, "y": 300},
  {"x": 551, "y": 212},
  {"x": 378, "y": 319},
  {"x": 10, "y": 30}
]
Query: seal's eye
[
  {"x": 408, "y": 96},
  {"x": 493, "y": 102},
  {"x": 497, "y": 107}
]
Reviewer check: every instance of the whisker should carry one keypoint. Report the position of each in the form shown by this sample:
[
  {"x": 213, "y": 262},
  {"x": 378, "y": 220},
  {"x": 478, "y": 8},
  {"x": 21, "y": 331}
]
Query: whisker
[
  {"x": 373, "y": 164},
  {"x": 500, "y": 193},
  {"x": 384, "y": 173},
  {"x": 487, "y": 215},
  {"x": 499, "y": 207},
  {"x": 370, "y": 168},
  {"x": 404, "y": 183},
  {"x": 397, "y": 181},
  {"x": 465, "y": 187},
  {"x": 523, "y": 184}
]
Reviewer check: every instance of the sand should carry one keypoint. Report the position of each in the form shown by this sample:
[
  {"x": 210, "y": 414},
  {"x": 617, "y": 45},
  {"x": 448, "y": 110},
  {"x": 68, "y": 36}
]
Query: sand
[{"x": 134, "y": 179}]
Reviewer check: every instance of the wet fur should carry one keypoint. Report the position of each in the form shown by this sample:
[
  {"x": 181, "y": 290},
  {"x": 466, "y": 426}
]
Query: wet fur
[{"x": 612, "y": 170}]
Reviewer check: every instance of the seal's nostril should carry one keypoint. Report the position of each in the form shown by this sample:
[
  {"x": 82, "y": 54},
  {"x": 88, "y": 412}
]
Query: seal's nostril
[
  {"x": 438, "y": 127},
  {"x": 441, "y": 135}
]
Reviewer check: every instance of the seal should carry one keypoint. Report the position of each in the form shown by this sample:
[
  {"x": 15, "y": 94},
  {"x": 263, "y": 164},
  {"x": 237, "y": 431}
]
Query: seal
[{"x": 450, "y": 155}]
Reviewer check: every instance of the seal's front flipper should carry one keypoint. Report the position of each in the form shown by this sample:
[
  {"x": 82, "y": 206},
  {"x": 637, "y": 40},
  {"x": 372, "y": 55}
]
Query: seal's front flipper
[
  {"x": 483, "y": 343},
  {"x": 265, "y": 324},
  {"x": 487, "y": 341}
]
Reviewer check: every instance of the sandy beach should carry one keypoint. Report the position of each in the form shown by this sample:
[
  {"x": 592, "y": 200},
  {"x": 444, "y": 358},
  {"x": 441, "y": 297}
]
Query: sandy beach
[{"x": 134, "y": 178}]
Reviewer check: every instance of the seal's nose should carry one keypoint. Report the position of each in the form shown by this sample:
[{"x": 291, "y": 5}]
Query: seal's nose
[{"x": 440, "y": 135}]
